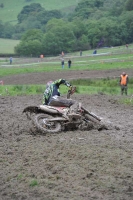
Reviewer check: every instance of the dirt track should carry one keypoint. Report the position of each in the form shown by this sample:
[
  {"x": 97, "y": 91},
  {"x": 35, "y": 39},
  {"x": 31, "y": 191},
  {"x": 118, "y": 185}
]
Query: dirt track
[{"x": 70, "y": 165}]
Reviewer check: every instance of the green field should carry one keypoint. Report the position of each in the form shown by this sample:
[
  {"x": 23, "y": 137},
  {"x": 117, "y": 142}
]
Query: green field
[
  {"x": 7, "y": 46},
  {"x": 13, "y": 7},
  {"x": 107, "y": 58}
]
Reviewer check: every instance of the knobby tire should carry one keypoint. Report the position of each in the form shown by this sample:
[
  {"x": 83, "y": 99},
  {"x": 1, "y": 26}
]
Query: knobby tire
[{"x": 41, "y": 126}]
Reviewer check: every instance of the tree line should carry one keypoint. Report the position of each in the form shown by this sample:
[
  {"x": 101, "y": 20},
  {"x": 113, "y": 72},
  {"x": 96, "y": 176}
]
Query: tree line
[{"x": 93, "y": 24}]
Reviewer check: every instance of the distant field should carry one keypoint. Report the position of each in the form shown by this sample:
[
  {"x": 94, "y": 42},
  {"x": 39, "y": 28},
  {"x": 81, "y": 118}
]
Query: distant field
[
  {"x": 105, "y": 59},
  {"x": 7, "y": 46},
  {"x": 13, "y": 7}
]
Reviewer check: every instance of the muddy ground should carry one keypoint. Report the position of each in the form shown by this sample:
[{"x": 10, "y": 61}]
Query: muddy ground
[{"x": 72, "y": 165}]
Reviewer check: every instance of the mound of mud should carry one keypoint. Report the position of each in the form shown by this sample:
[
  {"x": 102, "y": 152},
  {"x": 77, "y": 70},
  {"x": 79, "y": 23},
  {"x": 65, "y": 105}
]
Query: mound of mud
[{"x": 69, "y": 165}]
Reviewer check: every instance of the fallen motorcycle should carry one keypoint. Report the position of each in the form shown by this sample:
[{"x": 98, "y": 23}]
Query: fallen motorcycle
[{"x": 50, "y": 119}]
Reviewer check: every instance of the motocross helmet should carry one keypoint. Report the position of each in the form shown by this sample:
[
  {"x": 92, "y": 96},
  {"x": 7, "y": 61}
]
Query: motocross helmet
[
  {"x": 49, "y": 83},
  {"x": 124, "y": 73}
]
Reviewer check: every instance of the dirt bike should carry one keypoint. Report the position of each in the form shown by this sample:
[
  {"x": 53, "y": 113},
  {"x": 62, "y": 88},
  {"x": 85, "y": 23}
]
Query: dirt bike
[{"x": 51, "y": 119}]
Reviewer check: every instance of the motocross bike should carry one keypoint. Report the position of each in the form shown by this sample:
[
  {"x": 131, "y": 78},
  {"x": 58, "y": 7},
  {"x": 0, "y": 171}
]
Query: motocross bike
[{"x": 51, "y": 119}]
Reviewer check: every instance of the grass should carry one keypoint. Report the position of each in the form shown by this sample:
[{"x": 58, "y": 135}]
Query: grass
[
  {"x": 7, "y": 46},
  {"x": 13, "y": 8},
  {"x": 119, "y": 58},
  {"x": 5, "y": 71},
  {"x": 84, "y": 86},
  {"x": 13, "y": 90},
  {"x": 33, "y": 183}
]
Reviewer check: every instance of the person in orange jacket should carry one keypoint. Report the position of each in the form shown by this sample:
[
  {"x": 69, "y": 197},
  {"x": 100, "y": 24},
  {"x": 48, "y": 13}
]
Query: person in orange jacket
[{"x": 124, "y": 82}]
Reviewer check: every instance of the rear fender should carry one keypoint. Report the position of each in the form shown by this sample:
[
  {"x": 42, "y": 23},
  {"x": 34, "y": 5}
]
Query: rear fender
[{"x": 50, "y": 109}]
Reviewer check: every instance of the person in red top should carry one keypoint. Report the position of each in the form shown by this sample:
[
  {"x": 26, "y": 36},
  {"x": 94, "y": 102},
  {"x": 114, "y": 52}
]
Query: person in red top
[{"x": 124, "y": 82}]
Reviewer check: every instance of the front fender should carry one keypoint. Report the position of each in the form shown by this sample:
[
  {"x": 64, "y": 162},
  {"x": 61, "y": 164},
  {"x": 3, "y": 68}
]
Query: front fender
[{"x": 31, "y": 109}]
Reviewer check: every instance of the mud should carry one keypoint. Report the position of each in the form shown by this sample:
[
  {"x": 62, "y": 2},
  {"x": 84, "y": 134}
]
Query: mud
[{"x": 69, "y": 165}]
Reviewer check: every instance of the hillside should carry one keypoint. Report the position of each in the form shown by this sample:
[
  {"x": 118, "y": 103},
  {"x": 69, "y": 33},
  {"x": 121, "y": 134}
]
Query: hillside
[
  {"x": 7, "y": 46},
  {"x": 11, "y": 8}
]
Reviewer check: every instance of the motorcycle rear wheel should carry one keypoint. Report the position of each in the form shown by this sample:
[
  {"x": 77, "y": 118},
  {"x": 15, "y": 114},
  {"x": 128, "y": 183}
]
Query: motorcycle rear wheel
[{"x": 42, "y": 125}]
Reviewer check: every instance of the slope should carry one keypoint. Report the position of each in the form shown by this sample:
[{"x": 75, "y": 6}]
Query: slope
[{"x": 12, "y": 8}]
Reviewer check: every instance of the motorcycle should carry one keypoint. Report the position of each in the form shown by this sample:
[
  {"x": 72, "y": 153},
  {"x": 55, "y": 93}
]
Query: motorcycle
[{"x": 51, "y": 119}]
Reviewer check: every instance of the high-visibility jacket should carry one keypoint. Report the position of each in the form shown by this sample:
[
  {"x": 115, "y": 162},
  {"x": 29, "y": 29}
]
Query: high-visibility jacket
[{"x": 124, "y": 79}]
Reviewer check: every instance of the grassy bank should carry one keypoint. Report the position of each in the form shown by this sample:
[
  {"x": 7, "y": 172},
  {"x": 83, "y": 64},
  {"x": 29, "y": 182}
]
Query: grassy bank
[{"x": 87, "y": 86}]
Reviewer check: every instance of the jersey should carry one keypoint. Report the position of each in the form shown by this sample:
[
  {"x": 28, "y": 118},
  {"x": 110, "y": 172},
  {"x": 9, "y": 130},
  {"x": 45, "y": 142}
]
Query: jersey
[{"x": 53, "y": 90}]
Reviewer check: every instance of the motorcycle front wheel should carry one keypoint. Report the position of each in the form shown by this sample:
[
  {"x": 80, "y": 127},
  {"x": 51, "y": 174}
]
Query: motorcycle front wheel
[
  {"x": 43, "y": 125},
  {"x": 92, "y": 119},
  {"x": 96, "y": 123}
]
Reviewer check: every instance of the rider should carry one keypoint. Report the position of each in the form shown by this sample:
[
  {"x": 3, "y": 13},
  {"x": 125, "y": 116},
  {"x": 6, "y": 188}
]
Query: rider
[{"x": 52, "y": 96}]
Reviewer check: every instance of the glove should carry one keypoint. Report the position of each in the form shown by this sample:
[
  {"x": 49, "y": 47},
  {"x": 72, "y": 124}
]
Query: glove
[{"x": 72, "y": 89}]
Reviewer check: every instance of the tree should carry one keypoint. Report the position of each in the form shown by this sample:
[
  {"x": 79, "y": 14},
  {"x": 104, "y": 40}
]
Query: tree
[
  {"x": 86, "y": 7},
  {"x": 127, "y": 19},
  {"x": 31, "y": 43},
  {"x": 33, "y": 34},
  {"x": 31, "y": 9},
  {"x": 44, "y": 16},
  {"x": 29, "y": 48},
  {"x": 2, "y": 5},
  {"x": 129, "y": 5},
  {"x": 59, "y": 38},
  {"x": 1, "y": 29},
  {"x": 53, "y": 23},
  {"x": 8, "y": 30}
]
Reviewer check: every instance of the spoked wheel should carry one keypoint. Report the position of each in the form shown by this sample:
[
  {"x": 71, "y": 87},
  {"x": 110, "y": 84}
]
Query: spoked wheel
[{"x": 44, "y": 125}]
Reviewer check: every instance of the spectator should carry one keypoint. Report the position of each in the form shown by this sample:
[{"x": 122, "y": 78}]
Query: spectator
[
  {"x": 124, "y": 82},
  {"x": 62, "y": 63},
  {"x": 127, "y": 46},
  {"x": 69, "y": 63},
  {"x": 10, "y": 60},
  {"x": 95, "y": 51},
  {"x": 62, "y": 54}
]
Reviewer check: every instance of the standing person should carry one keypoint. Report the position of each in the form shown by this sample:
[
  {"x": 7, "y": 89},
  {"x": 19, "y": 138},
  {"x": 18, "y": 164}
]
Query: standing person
[
  {"x": 80, "y": 53},
  {"x": 127, "y": 46},
  {"x": 69, "y": 63},
  {"x": 95, "y": 51},
  {"x": 62, "y": 63},
  {"x": 10, "y": 60},
  {"x": 124, "y": 82},
  {"x": 62, "y": 53},
  {"x": 41, "y": 56},
  {"x": 52, "y": 96}
]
